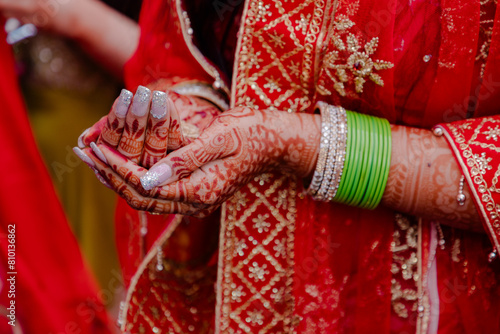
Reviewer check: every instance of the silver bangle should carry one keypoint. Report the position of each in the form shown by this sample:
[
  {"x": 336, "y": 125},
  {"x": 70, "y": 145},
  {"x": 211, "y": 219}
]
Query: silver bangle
[
  {"x": 328, "y": 172},
  {"x": 331, "y": 115},
  {"x": 323, "y": 152},
  {"x": 341, "y": 145},
  {"x": 204, "y": 91}
]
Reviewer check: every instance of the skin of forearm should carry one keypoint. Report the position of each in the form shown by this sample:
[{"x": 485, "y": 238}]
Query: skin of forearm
[
  {"x": 424, "y": 179},
  {"x": 108, "y": 36},
  {"x": 302, "y": 139}
]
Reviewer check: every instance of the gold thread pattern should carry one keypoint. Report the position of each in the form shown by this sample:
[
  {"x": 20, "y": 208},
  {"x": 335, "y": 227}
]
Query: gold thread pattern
[{"x": 476, "y": 156}]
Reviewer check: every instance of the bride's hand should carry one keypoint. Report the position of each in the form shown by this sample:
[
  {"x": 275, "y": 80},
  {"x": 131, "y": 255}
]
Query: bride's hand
[
  {"x": 196, "y": 178},
  {"x": 143, "y": 127}
]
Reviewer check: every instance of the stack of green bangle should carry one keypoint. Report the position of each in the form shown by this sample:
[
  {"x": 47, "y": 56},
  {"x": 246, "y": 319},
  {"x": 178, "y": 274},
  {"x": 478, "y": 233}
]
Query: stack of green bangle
[{"x": 367, "y": 161}]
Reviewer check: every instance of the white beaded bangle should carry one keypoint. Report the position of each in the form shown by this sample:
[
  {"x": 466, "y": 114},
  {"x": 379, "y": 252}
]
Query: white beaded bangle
[
  {"x": 331, "y": 115},
  {"x": 328, "y": 172},
  {"x": 341, "y": 144},
  {"x": 204, "y": 91},
  {"x": 323, "y": 153}
]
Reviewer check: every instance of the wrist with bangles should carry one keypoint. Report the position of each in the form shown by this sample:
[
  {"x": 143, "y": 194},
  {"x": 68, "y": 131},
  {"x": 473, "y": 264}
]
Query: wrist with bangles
[{"x": 354, "y": 158}]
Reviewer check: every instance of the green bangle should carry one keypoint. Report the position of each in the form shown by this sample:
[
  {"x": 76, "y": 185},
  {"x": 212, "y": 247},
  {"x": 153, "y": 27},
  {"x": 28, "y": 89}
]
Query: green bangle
[
  {"x": 371, "y": 171},
  {"x": 386, "y": 162},
  {"x": 376, "y": 163},
  {"x": 363, "y": 166},
  {"x": 367, "y": 161},
  {"x": 354, "y": 154}
]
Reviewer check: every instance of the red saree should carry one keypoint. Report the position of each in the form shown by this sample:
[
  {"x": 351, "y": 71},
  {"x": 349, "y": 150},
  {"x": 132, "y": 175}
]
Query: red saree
[
  {"x": 53, "y": 291},
  {"x": 287, "y": 263}
]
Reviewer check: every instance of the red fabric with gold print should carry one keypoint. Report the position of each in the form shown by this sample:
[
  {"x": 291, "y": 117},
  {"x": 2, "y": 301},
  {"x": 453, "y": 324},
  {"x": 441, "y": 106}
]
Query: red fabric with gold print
[
  {"x": 288, "y": 263},
  {"x": 475, "y": 145}
]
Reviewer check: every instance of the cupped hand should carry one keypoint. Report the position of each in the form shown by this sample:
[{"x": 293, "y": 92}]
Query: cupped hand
[
  {"x": 196, "y": 178},
  {"x": 145, "y": 126}
]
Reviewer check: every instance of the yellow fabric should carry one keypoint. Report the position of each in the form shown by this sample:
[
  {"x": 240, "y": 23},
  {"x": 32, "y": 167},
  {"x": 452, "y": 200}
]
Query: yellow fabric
[{"x": 58, "y": 117}]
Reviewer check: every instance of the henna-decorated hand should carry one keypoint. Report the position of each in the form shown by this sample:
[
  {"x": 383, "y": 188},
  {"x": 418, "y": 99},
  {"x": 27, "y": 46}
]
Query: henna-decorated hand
[
  {"x": 195, "y": 179},
  {"x": 142, "y": 129}
]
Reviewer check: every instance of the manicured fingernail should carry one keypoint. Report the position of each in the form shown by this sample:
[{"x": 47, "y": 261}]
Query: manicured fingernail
[
  {"x": 100, "y": 178},
  {"x": 81, "y": 144},
  {"x": 98, "y": 152},
  {"x": 159, "y": 105},
  {"x": 156, "y": 176},
  {"x": 123, "y": 103},
  {"x": 141, "y": 101},
  {"x": 84, "y": 157}
]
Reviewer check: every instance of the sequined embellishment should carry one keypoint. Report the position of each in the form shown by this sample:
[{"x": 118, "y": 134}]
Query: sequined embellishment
[
  {"x": 404, "y": 267},
  {"x": 351, "y": 60}
]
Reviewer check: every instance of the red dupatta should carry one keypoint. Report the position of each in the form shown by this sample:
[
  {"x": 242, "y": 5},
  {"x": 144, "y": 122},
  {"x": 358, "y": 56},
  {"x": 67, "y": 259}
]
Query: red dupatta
[{"x": 53, "y": 290}]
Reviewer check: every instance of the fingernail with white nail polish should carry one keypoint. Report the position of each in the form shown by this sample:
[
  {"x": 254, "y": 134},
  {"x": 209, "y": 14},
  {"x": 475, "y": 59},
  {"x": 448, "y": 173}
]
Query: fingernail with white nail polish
[
  {"x": 156, "y": 176},
  {"x": 141, "y": 101},
  {"x": 84, "y": 157},
  {"x": 123, "y": 103},
  {"x": 100, "y": 178},
  {"x": 81, "y": 144},
  {"x": 98, "y": 152},
  {"x": 159, "y": 105}
]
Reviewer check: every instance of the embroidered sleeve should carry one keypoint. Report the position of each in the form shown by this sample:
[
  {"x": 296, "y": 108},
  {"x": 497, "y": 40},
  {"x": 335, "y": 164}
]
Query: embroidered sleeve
[{"x": 476, "y": 146}]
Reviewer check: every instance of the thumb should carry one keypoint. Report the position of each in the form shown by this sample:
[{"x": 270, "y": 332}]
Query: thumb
[{"x": 184, "y": 161}]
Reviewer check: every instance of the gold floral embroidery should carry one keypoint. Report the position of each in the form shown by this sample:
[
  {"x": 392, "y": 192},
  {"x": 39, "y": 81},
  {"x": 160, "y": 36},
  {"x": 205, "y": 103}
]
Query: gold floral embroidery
[
  {"x": 261, "y": 224},
  {"x": 262, "y": 11},
  {"x": 492, "y": 133},
  {"x": 404, "y": 268},
  {"x": 277, "y": 40},
  {"x": 241, "y": 200},
  {"x": 302, "y": 23},
  {"x": 351, "y": 60},
  {"x": 482, "y": 162},
  {"x": 272, "y": 84}
]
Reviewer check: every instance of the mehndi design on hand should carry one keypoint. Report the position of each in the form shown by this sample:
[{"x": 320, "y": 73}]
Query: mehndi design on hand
[
  {"x": 132, "y": 138},
  {"x": 236, "y": 147}
]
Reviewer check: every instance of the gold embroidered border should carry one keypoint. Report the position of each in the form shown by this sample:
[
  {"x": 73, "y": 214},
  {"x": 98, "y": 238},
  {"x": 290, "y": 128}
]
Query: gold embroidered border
[
  {"x": 187, "y": 33},
  {"x": 151, "y": 255},
  {"x": 236, "y": 230},
  {"x": 486, "y": 204},
  {"x": 424, "y": 306},
  {"x": 405, "y": 261},
  {"x": 250, "y": 80}
]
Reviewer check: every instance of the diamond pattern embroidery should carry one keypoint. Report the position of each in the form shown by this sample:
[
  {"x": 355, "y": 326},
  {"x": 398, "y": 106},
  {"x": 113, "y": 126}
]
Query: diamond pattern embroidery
[
  {"x": 274, "y": 70},
  {"x": 261, "y": 272},
  {"x": 281, "y": 79}
]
